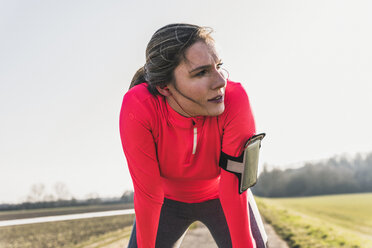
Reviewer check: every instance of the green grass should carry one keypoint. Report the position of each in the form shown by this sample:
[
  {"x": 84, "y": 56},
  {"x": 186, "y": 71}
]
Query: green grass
[
  {"x": 322, "y": 221},
  {"x": 106, "y": 239},
  {"x": 73, "y": 233}
]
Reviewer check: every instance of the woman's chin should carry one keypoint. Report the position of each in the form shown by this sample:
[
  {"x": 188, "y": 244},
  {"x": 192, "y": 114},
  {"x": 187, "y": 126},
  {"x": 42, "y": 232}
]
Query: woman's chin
[{"x": 217, "y": 110}]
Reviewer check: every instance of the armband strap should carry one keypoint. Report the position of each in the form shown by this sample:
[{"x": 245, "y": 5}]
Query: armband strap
[{"x": 245, "y": 166}]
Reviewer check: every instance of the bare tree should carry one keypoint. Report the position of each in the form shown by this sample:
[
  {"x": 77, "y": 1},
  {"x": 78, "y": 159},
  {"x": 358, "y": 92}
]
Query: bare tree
[
  {"x": 62, "y": 191},
  {"x": 37, "y": 193}
]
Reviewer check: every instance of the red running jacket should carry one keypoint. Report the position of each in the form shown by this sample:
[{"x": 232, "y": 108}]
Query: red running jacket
[{"x": 177, "y": 157}]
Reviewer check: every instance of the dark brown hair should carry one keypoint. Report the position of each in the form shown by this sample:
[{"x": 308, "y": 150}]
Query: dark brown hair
[{"x": 165, "y": 51}]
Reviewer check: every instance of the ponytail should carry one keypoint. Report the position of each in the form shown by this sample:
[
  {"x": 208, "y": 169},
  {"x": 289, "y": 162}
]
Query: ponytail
[{"x": 138, "y": 78}]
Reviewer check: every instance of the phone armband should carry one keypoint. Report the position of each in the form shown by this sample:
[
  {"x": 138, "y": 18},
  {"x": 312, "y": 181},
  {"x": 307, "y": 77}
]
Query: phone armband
[{"x": 244, "y": 167}]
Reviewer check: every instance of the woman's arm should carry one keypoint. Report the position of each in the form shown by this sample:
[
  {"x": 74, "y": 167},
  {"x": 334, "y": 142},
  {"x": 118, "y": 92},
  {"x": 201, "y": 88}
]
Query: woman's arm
[
  {"x": 238, "y": 127},
  {"x": 239, "y": 124},
  {"x": 140, "y": 151}
]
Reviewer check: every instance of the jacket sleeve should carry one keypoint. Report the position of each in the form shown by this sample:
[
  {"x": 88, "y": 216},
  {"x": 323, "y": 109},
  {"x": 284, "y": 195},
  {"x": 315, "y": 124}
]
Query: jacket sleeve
[
  {"x": 238, "y": 127},
  {"x": 140, "y": 151},
  {"x": 239, "y": 123}
]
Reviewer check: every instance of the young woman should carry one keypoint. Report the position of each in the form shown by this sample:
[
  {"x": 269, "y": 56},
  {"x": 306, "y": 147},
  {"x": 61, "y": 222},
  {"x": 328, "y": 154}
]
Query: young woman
[{"x": 180, "y": 116}]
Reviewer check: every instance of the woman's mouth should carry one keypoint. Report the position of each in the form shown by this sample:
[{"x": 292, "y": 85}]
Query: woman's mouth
[{"x": 217, "y": 99}]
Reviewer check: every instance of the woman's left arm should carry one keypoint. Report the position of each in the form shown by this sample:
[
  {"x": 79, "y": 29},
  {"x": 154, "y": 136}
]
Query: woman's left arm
[
  {"x": 239, "y": 124},
  {"x": 238, "y": 127}
]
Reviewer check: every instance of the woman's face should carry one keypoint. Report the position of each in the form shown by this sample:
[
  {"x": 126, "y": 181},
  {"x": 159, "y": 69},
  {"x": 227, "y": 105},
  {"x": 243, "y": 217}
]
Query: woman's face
[{"x": 199, "y": 84}]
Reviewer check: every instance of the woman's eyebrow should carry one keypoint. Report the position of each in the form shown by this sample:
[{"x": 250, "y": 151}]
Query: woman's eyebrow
[
  {"x": 205, "y": 66},
  {"x": 200, "y": 68}
]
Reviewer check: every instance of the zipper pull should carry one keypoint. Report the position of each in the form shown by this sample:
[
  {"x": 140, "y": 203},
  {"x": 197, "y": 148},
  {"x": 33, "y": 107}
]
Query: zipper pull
[{"x": 195, "y": 140}]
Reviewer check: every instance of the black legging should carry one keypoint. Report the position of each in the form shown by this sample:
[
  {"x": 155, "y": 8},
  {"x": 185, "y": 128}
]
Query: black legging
[{"x": 176, "y": 217}]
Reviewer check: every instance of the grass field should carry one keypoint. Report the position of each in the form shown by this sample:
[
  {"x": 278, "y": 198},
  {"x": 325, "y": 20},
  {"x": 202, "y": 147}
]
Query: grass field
[
  {"x": 31, "y": 213},
  {"x": 322, "y": 221},
  {"x": 101, "y": 232},
  {"x": 73, "y": 233}
]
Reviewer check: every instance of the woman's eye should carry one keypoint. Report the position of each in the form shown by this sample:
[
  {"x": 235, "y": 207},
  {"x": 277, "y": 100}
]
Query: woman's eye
[
  {"x": 219, "y": 65},
  {"x": 201, "y": 73}
]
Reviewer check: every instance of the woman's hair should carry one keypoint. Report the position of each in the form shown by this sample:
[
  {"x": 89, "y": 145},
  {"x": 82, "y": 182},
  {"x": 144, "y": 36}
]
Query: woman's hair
[{"x": 165, "y": 51}]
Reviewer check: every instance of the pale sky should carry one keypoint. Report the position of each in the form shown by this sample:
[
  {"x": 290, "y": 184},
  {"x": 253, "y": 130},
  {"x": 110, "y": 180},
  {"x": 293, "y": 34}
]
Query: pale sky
[{"x": 65, "y": 66}]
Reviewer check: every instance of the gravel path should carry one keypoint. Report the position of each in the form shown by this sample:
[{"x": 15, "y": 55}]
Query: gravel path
[
  {"x": 274, "y": 240},
  {"x": 201, "y": 238}
]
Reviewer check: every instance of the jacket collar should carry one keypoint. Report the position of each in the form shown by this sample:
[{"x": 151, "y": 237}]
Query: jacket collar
[{"x": 179, "y": 120}]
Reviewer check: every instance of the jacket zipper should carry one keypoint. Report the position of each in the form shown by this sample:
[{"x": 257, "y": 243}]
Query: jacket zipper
[{"x": 195, "y": 141}]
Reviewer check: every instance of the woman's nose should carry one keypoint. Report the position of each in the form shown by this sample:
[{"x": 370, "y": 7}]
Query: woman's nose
[{"x": 219, "y": 80}]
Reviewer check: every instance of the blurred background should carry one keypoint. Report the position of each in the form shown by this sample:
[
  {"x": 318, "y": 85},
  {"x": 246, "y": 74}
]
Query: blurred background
[{"x": 65, "y": 66}]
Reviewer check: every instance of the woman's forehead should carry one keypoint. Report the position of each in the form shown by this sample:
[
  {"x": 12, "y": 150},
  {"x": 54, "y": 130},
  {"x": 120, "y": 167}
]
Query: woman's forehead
[{"x": 201, "y": 53}]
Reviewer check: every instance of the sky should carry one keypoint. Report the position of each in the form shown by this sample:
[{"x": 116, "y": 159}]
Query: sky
[{"x": 65, "y": 66}]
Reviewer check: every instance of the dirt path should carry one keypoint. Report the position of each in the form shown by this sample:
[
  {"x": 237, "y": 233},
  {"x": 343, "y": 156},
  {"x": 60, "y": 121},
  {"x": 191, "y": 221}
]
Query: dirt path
[
  {"x": 201, "y": 238},
  {"x": 274, "y": 240}
]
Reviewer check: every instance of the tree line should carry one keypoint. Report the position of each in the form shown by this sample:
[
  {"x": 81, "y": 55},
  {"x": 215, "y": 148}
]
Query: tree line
[
  {"x": 37, "y": 203},
  {"x": 337, "y": 175}
]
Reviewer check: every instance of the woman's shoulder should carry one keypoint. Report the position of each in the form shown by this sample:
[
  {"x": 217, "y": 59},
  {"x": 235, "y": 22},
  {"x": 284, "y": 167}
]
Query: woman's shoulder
[
  {"x": 140, "y": 104},
  {"x": 234, "y": 88},
  {"x": 139, "y": 92},
  {"x": 235, "y": 94},
  {"x": 140, "y": 97},
  {"x": 236, "y": 101}
]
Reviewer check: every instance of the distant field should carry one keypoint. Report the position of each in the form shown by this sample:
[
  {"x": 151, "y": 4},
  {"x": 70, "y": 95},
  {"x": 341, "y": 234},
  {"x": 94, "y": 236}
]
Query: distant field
[
  {"x": 31, "y": 213},
  {"x": 71, "y": 234},
  {"x": 322, "y": 221},
  {"x": 101, "y": 232}
]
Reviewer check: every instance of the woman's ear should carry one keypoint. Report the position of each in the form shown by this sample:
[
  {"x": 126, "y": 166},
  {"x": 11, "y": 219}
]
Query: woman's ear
[{"x": 163, "y": 90}]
